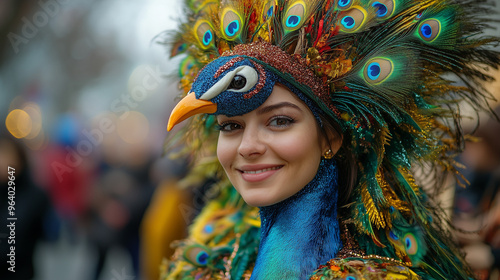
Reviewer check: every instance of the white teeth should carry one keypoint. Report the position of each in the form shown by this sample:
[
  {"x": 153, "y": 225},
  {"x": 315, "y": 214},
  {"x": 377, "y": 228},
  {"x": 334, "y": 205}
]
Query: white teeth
[{"x": 262, "y": 170}]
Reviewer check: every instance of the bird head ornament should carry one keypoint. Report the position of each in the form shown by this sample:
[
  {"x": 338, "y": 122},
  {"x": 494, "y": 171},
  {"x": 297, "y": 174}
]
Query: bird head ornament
[{"x": 241, "y": 80}]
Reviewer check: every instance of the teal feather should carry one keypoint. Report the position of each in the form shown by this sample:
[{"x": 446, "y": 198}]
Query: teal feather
[
  {"x": 186, "y": 65},
  {"x": 408, "y": 238},
  {"x": 439, "y": 27}
]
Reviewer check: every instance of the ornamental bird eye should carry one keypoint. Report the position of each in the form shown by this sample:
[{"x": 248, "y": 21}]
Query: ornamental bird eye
[
  {"x": 238, "y": 82},
  {"x": 244, "y": 79}
]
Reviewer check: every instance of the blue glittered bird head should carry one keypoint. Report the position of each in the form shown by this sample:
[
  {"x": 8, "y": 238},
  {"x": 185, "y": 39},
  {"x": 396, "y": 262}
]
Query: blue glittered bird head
[
  {"x": 232, "y": 85},
  {"x": 240, "y": 82}
]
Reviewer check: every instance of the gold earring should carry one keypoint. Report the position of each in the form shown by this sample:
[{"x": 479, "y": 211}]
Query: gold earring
[{"x": 328, "y": 154}]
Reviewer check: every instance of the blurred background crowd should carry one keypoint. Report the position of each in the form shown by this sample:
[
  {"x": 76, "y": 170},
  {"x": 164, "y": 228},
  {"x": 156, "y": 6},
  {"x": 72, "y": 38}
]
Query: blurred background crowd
[{"x": 85, "y": 94}]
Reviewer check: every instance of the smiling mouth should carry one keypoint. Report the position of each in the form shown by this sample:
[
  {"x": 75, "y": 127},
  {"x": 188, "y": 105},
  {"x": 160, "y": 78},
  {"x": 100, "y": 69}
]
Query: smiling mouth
[{"x": 261, "y": 170}]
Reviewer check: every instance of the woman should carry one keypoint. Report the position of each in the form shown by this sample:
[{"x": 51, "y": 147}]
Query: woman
[{"x": 318, "y": 102}]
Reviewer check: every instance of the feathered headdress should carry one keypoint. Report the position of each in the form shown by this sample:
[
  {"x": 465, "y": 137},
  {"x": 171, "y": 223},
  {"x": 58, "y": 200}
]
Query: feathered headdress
[{"x": 391, "y": 73}]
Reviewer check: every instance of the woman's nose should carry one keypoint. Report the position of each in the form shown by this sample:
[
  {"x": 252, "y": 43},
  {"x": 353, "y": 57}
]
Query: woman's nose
[{"x": 253, "y": 143}]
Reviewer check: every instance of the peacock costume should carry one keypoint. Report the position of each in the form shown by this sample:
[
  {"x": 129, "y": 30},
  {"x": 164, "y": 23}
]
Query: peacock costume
[{"x": 390, "y": 74}]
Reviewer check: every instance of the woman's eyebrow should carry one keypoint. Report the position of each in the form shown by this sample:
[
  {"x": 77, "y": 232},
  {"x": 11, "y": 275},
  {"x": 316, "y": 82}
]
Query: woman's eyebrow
[{"x": 272, "y": 107}]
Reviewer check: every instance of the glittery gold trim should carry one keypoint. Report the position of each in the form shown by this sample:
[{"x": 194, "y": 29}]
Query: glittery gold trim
[
  {"x": 293, "y": 65},
  {"x": 350, "y": 249}
]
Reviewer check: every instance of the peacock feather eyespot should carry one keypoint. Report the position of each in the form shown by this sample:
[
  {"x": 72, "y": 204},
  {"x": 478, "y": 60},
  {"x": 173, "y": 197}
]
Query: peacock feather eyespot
[
  {"x": 294, "y": 16},
  {"x": 384, "y": 8},
  {"x": 344, "y": 4},
  {"x": 182, "y": 47},
  {"x": 207, "y": 38},
  {"x": 429, "y": 29},
  {"x": 231, "y": 24},
  {"x": 202, "y": 258},
  {"x": 232, "y": 28},
  {"x": 209, "y": 228},
  {"x": 348, "y": 22},
  {"x": 268, "y": 10},
  {"x": 353, "y": 19},
  {"x": 410, "y": 244},
  {"x": 204, "y": 34},
  {"x": 186, "y": 65},
  {"x": 292, "y": 21},
  {"x": 377, "y": 70},
  {"x": 393, "y": 235},
  {"x": 381, "y": 9},
  {"x": 197, "y": 255},
  {"x": 374, "y": 71}
]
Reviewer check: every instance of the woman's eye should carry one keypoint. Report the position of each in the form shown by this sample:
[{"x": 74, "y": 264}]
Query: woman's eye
[
  {"x": 227, "y": 127},
  {"x": 281, "y": 122}
]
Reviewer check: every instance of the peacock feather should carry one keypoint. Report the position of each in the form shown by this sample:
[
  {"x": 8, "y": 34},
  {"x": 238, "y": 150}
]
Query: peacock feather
[{"x": 392, "y": 73}]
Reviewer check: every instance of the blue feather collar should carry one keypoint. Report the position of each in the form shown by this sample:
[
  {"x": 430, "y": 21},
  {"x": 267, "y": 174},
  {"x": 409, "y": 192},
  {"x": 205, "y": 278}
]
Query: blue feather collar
[{"x": 302, "y": 232}]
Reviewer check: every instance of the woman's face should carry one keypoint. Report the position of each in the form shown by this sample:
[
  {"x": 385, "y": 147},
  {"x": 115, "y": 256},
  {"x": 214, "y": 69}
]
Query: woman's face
[{"x": 272, "y": 152}]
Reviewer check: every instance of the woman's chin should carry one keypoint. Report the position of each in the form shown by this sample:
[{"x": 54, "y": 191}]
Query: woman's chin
[{"x": 258, "y": 200}]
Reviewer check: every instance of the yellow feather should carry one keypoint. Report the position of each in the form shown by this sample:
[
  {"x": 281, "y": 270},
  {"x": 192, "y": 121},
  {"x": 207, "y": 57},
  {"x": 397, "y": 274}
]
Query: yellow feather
[
  {"x": 204, "y": 218},
  {"x": 391, "y": 196},
  {"x": 374, "y": 215}
]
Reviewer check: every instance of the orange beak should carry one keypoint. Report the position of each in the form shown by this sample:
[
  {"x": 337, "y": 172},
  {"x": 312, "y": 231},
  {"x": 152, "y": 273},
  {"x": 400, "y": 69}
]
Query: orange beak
[{"x": 189, "y": 106}]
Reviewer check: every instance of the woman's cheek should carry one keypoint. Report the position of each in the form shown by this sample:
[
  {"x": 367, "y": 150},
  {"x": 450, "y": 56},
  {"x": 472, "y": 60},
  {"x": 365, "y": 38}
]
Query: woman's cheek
[
  {"x": 294, "y": 146},
  {"x": 223, "y": 152}
]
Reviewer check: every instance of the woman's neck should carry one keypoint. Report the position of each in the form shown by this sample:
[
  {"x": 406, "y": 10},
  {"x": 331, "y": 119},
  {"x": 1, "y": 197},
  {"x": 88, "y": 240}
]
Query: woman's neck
[{"x": 301, "y": 232}]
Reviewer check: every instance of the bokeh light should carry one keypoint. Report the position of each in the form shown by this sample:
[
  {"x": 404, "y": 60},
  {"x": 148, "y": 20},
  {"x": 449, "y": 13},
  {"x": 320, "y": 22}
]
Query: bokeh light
[
  {"x": 133, "y": 127},
  {"x": 33, "y": 110},
  {"x": 18, "y": 123}
]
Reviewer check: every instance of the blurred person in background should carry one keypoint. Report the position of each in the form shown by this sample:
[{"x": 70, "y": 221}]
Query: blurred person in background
[
  {"x": 117, "y": 205},
  {"x": 32, "y": 208},
  {"x": 477, "y": 207},
  {"x": 66, "y": 175}
]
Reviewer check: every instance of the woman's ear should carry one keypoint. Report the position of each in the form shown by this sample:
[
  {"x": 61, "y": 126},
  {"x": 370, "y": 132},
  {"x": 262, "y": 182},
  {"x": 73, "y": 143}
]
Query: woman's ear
[{"x": 333, "y": 140}]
